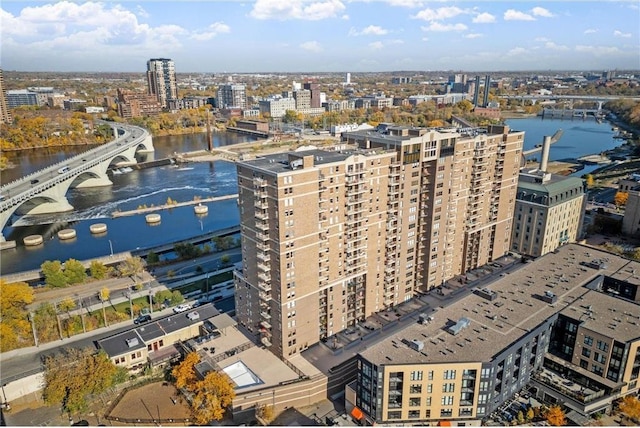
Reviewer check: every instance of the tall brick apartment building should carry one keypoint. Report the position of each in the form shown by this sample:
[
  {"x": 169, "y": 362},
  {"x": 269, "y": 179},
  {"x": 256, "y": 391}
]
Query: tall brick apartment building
[{"x": 328, "y": 238}]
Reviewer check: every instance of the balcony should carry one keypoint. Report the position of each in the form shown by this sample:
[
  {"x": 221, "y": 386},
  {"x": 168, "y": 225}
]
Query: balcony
[
  {"x": 264, "y": 268},
  {"x": 262, "y": 215},
  {"x": 265, "y": 315},
  {"x": 263, "y": 226},
  {"x": 262, "y": 247},
  {"x": 262, "y": 236},
  {"x": 265, "y": 324},
  {"x": 264, "y": 296},
  {"x": 260, "y": 183},
  {"x": 264, "y": 286},
  {"x": 261, "y": 204},
  {"x": 265, "y": 341},
  {"x": 263, "y": 257}
]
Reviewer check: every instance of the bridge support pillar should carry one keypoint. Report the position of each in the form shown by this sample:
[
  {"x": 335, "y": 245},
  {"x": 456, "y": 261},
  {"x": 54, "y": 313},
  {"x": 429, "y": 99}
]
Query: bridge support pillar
[
  {"x": 600, "y": 104},
  {"x": 50, "y": 207}
]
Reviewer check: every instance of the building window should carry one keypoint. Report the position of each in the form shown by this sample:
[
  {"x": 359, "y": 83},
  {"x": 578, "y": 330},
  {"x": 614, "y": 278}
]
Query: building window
[
  {"x": 414, "y": 401},
  {"x": 444, "y": 413},
  {"x": 603, "y": 346},
  {"x": 416, "y": 375},
  {"x": 414, "y": 414},
  {"x": 586, "y": 352},
  {"x": 597, "y": 370},
  {"x": 448, "y": 387},
  {"x": 394, "y": 415},
  {"x": 449, "y": 374},
  {"x": 447, "y": 400},
  {"x": 415, "y": 389},
  {"x": 584, "y": 364},
  {"x": 588, "y": 340},
  {"x": 599, "y": 358}
]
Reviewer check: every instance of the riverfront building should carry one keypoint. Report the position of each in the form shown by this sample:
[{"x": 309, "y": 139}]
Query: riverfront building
[
  {"x": 557, "y": 326},
  {"x": 330, "y": 238},
  {"x": 548, "y": 213},
  {"x": 161, "y": 80},
  {"x": 5, "y": 114},
  {"x": 232, "y": 95}
]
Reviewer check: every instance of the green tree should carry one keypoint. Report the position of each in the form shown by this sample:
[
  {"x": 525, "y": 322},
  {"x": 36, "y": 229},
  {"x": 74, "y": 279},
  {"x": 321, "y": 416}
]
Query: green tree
[
  {"x": 45, "y": 321},
  {"x": 211, "y": 397},
  {"x": 98, "y": 270},
  {"x": 225, "y": 259},
  {"x": 15, "y": 329},
  {"x": 176, "y": 298},
  {"x": 74, "y": 272},
  {"x": 53, "y": 274},
  {"x": 73, "y": 374},
  {"x": 67, "y": 304},
  {"x": 152, "y": 258}
]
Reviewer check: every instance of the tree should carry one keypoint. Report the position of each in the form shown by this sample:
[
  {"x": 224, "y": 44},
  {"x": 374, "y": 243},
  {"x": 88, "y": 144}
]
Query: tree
[
  {"x": 152, "y": 258},
  {"x": 53, "y": 274},
  {"x": 530, "y": 414},
  {"x": 630, "y": 406},
  {"x": 589, "y": 180},
  {"x": 67, "y": 304},
  {"x": 15, "y": 329},
  {"x": 555, "y": 416},
  {"x": 620, "y": 198},
  {"x": 98, "y": 270},
  {"x": 520, "y": 417},
  {"x": 265, "y": 412},
  {"x": 74, "y": 272},
  {"x": 184, "y": 373},
  {"x": 225, "y": 259},
  {"x": 104, "y": 294},
  {"x": 212, "y": 396},
  {"x": 131, "y": 266},
  {"x": 71, "y": 375}
]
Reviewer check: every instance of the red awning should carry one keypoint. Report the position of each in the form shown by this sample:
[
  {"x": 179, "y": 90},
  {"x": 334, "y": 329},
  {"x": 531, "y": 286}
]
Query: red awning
[
  {"x": 357, "y": 413},
  {"x": 444, "y": 423}
]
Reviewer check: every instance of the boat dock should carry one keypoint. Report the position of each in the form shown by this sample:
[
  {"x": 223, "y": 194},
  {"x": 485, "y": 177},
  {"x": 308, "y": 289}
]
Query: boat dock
[{"x": 146, "y": 210}]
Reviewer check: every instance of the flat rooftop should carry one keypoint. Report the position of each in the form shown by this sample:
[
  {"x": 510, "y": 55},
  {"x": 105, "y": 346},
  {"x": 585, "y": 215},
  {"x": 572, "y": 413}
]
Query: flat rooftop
[{"x": 489, "y": 326}]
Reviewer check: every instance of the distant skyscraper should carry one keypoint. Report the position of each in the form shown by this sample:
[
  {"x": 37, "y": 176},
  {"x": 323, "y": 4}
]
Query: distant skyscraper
[
  {"x": 161, "y": 80},
  {"x": 348, "y": 78},
  {"x": 232, "y": 95},
  {"x": 5, "y": 114},
  {"x": 315, "y": 93}
]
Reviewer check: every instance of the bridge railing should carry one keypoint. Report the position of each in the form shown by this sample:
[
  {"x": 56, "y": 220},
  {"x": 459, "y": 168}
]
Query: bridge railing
[{"x": 56, "y": 179}]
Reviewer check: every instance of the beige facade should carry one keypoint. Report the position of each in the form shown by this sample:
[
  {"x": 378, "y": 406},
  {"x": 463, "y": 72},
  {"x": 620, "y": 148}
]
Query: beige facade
[
  {"x": 329, "y": 238},
  {"x": 161, "y": 80},
  {"x": 5, "y": 114},
  {"x": 549, "y": 212}
]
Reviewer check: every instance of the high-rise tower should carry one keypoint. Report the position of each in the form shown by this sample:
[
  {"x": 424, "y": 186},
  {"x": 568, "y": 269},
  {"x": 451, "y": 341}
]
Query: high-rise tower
[
  {"x": 5, "y": 114},
  {"x": 329, "y": 238},
  {"x": 161, "y": 80},
  {"x": 232, "y": 95}
]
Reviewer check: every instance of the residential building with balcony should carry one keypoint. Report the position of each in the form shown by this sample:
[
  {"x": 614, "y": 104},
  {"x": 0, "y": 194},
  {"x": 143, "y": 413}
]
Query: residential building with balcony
[
  {"x": 5, "y": 114},
  {"x": 134, "y": 104},
  {"x": 330, "y": 238},
  {"x": 548, "y": 213},
  {"x": 232, "y": 95},
  {"x": 161, "y": 80},
  {"x": 276, "y": 107}
]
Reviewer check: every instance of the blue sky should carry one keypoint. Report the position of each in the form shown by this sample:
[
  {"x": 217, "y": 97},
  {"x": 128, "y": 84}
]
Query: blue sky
[{"x": 320, "y": 35}]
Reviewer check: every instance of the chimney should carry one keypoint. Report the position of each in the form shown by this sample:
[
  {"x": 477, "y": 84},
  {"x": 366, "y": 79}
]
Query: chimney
[{"x": 544, "y": 157}]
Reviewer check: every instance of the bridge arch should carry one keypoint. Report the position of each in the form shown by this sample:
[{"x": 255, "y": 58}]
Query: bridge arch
[{"x": 44, "y": 192}]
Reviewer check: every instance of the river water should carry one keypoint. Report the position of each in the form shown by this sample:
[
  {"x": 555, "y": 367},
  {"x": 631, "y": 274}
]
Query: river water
[{"x": 204, "y": 179}]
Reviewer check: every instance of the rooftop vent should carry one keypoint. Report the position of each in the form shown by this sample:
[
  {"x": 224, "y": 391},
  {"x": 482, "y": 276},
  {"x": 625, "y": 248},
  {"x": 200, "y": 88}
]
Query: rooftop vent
[
  {"x": 416, "y": 345},
  {"x": 132, "y": 342},
  {"x": 457, "y": 327}
]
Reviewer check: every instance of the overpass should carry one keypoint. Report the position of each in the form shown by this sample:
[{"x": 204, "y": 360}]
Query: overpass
[{"x": 44, "y": 191}]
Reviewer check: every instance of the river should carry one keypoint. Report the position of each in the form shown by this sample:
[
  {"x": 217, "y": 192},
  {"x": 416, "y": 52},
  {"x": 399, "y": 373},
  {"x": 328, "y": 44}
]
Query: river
[{"x": 155, "y": 185}]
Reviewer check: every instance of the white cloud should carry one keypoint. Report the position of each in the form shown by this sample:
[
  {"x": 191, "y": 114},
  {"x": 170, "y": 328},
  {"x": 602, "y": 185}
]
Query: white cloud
[
  {"x": 473, "y": 36},
  {"x": 213, "y": 30},
  {"x": 515, "y": 15},
  {"x": 296, "y": 9},
  {"x": 436, "y": 26},
  {"x": 311, "y": 46},
  {"x": 517, "y": 51},
  {"x": 598, "y": 50},
  {"x": 376, "y": 45},
  {"x": 555, "y": 47},
  {"x": 141, "y": 12},
  {"x": 345, "y": 17},
  {"x": 541, "y": 11},
  {"x": 484, "y": 18},
  {"x": 405, "y": 3},
  {"x": 590, "y": 30},
  {"x": 381, "y": 44},
  {"x": 439, "y": 14},
  {"x": 541, "y": 39},
  {"x": 618, "y": 33},
  {"x": 371, "y": 30}
]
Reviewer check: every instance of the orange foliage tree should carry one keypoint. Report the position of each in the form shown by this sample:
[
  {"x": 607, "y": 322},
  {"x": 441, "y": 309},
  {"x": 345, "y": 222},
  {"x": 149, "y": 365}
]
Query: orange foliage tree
[
  {"x": 555, "y": 416},
  {"x": 212, "y": 396},
  {"x": 630, "y": 406},
  {"x": 620, "y": 198},
  {"x": 184, "y": 373}
]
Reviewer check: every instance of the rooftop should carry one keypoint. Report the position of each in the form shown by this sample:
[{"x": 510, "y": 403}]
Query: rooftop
[{"x": 520, "y": 306}]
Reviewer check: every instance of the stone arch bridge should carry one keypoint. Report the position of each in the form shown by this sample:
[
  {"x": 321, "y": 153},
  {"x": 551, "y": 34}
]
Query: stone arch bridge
[{"x": 44, "y": 191}]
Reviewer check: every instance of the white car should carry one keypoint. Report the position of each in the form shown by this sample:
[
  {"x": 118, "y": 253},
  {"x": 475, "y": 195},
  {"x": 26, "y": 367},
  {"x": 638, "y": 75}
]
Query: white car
[{"x": 181, "y": 308}]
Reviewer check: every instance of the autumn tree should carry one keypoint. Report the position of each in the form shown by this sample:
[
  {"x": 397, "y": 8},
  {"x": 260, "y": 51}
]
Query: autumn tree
[
  {"x": 73, "y": 374},
  {"x": 104, "y": 294},
  {"x": 530, "y": 414},
  {"x": 74, "y": 272},
  {"x": 131, "y": 266},
  {"x": 15, "y": 329},
  {"x": 185, "y": 373},
  {"x": 98, "y": 270},
  {"x": 66, "y": 305},
  {"x": 53, "y": 274},
  {"x": 45, "y": 321},
  {"x": 555, "y": 416},
  {"x": 630, "y": 406},
  {"x": 590, "y": 181},
  {"x": 211, "y": 397},
  {"x": 620, "y": 198},
  {"x": 265, "y": 412}
]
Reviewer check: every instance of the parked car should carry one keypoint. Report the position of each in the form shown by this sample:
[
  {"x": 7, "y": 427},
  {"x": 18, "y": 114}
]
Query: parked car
[
  {"x": 181, "y": 308},
  {"x": 142, "y": 319}
]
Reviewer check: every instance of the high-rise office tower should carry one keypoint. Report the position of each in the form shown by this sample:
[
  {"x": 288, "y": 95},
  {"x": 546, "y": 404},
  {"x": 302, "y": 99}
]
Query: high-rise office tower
[
  {"x": 314, "y": 88},
  {"x": 328, "y": 238},
  {"x": 5, "y": 114},
  {"x": 232, "y": 95},
  {"x": 161, "y": 80}
]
